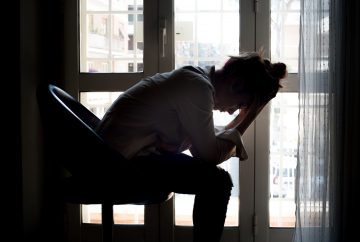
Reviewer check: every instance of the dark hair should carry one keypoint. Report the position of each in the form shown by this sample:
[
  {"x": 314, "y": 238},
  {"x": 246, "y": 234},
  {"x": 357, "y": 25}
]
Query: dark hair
[{"x": 259, "y": 77}]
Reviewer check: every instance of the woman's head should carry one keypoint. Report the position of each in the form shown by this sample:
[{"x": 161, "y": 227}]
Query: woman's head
[{"x": 248, "y": 77}]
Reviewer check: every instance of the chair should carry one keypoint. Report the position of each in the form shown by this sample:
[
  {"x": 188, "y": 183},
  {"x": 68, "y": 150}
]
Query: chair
[{"x": 82, "y": 162}]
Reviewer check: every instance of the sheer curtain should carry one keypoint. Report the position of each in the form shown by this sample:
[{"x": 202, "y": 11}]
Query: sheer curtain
[{"x": 317, "y": 173}]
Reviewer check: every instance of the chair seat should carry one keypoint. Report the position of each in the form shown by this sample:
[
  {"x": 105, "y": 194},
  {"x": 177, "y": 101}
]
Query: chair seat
[{"x": 82, "y": 192}]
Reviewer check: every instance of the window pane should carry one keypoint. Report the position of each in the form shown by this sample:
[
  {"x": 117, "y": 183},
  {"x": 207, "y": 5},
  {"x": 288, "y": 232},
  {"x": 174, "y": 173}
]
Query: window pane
[
  {"x": 208, "y": 5},
  {"x": 111, "y": 35},
  {"x": 231, "y": 5},
  {"x": 285, "y": 23},
  {"x": 184, "y": 5},
  {"x": 91, "y": 214},
  {"x": 98, "y": 102},
  {"x": 205, "y": 33},
  {"x": 97, "y": 5},
  {"x": 283, "y": 159},
  {"x": 129, "y": 214}
]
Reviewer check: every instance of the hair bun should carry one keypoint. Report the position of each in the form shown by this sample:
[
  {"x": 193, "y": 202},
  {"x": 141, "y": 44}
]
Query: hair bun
[{"x": 278, "y": 70}]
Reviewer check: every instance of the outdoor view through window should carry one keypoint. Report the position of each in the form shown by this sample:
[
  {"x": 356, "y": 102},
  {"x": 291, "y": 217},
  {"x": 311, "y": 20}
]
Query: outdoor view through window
[{"x": 111, "y": 36}]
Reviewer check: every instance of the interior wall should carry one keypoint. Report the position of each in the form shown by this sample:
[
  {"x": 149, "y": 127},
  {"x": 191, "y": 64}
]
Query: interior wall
[
  {"x": 41, "y": 48},
  {"x": 30, "y": 146},
  {"x": 11, "y": 175}
]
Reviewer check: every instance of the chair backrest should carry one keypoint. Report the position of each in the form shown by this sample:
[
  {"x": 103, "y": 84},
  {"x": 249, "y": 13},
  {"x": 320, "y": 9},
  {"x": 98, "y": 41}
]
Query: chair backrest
[
  {"x": 93, "y": 167},
  {"x": 69, "y": 126}
]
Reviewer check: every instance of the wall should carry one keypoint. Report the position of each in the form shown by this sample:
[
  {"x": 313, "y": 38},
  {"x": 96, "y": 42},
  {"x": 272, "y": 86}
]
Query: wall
[
  {"x": 11, "y": 176},
  {"x": 41, "y": 48},
  {"x": 31, "y": 159}
]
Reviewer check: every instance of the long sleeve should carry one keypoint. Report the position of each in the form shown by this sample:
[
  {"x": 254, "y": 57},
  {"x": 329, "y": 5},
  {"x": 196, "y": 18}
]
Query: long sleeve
[
  {"x": 169, "y": 112},
  {"x": 195, "y": 113},
  {"x": 234, "y": 136}
]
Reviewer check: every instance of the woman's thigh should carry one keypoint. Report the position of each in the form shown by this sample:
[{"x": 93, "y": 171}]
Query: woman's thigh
[{"x": 178, "y": 173}]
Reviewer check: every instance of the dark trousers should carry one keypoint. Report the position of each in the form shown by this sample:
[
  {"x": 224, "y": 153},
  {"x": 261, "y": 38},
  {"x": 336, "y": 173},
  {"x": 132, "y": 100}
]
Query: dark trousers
[
  {"x": 184, "y": 174},
  {"x": 162, "y": 174}
]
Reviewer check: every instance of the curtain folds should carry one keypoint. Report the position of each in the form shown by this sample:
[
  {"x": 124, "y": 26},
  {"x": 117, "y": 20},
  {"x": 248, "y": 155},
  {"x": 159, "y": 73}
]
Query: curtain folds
[{"x": 317, "y": 190}]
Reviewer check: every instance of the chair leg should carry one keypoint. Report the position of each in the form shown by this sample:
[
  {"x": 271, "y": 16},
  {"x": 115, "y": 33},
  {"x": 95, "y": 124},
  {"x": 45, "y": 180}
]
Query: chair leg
[{"x": 107, "y": 222}]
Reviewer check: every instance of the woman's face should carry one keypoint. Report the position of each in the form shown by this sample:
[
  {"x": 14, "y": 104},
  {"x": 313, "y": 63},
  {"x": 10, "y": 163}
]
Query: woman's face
[
  {"x": 230, "y": 104},
  {"x": 228, "y": 101}
]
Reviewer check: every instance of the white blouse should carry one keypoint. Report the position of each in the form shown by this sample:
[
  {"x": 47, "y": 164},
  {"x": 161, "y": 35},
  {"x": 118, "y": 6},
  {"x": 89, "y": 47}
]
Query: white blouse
[{"x": 170, "y": 112}]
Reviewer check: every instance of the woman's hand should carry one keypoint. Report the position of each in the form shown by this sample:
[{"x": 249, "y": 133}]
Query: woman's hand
[
  {"x": 246, "y": 116},
  {"x": 237, "y": 120}
]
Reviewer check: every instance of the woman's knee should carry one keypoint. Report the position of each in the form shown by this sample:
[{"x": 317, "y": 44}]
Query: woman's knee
[
  {"x": 219, "y": 180},
  {"x": 226, "y": 180}
]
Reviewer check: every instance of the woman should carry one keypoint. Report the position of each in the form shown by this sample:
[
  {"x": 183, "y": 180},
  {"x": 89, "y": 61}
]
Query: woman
[{"x": 154, "y": 121}]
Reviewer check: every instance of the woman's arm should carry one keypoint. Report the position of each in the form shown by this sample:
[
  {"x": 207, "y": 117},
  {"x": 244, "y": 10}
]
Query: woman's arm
[{"x": 246, "y": 116}]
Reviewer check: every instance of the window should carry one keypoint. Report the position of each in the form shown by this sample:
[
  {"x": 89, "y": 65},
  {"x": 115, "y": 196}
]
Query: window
[{"x": 121, "y": 41}]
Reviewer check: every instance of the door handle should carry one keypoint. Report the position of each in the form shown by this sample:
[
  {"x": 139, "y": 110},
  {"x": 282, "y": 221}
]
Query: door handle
[{"x": 163, "y": 36}]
